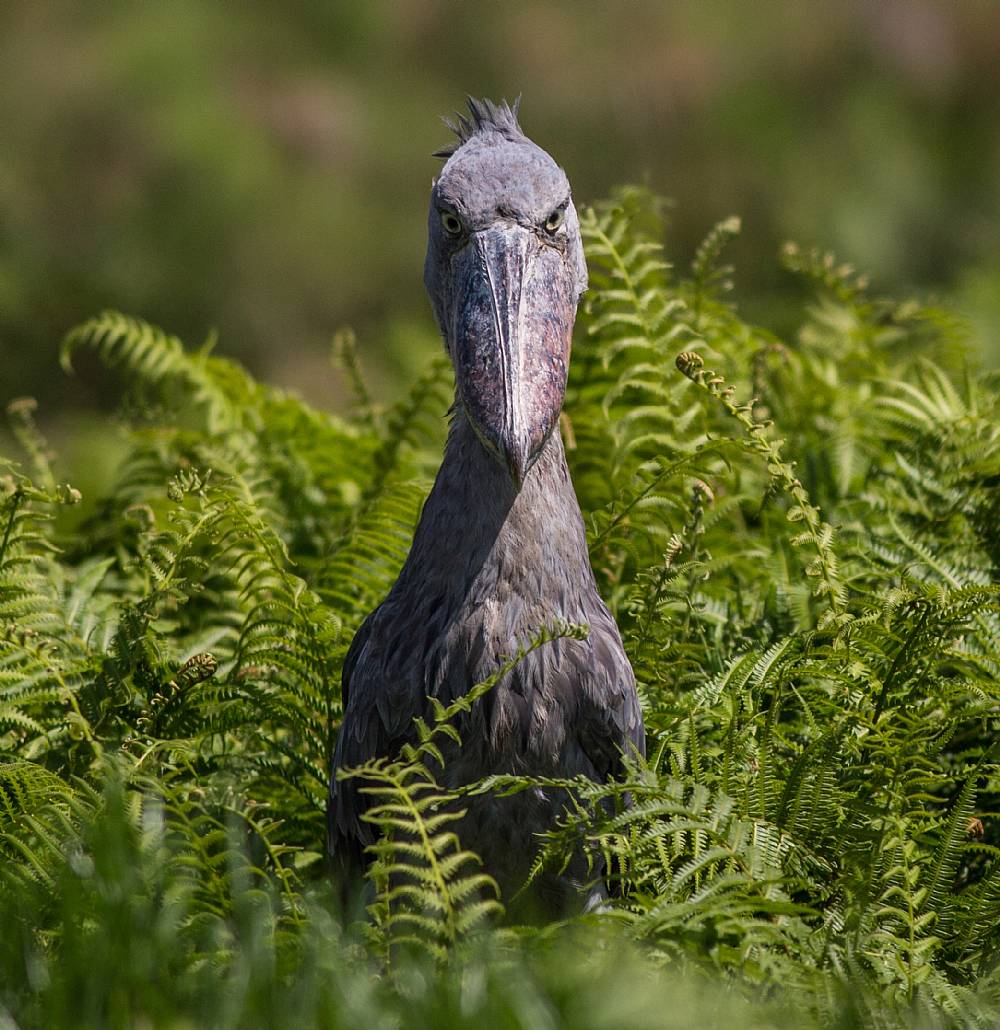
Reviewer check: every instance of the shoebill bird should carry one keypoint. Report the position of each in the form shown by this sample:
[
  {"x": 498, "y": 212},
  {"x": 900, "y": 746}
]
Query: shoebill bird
[{"x": 500, "y": 549}]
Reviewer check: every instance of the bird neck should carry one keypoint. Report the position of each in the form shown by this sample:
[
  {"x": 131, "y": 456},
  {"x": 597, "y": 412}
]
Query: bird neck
[{"x": 478, "y": 532}]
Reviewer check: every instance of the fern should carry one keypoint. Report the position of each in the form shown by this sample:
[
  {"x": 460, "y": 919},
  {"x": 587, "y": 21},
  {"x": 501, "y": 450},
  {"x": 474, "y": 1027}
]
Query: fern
[
  {"x": 429, "y": 891},
  {"x": 802, "y": 552}
]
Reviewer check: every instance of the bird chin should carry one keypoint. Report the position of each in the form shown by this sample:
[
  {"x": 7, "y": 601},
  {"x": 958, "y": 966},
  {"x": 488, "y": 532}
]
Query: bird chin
[
  {"x": 516, "y": 458},
  {"x": 515, "y": 452}
]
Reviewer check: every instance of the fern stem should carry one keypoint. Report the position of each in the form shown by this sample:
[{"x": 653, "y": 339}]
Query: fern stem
[
  {"x": 897, "y": 661},
  {"x": 15, "y": 502},
  {"x": 398, "y": 780},
  {"x": 819, "y": 532},
  {"x": 672, "y": 469},
  {"x": 284, "y": 874},
  {"x": 591, "y": 227}
]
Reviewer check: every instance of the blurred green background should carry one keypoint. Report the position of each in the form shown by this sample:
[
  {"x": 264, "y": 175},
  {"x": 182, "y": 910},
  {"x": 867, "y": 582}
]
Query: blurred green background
[{"x": 262, "y": 169}]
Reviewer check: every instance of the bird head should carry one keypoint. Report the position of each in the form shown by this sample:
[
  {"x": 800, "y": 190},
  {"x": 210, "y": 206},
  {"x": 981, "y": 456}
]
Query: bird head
[{"x": 504, "y": 271}]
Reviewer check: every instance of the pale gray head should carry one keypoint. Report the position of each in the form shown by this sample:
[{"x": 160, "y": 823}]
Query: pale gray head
[{"x": 504, "y": 271}]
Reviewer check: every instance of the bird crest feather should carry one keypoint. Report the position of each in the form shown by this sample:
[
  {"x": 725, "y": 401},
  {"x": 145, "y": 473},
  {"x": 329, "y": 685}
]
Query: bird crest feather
[{"x": 484, "y": 118}]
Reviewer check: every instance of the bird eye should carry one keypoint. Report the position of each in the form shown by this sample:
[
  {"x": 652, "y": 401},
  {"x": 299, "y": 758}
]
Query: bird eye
[
  {"x": 556, "y": 219},
  {"x": 451, "y": 222}
]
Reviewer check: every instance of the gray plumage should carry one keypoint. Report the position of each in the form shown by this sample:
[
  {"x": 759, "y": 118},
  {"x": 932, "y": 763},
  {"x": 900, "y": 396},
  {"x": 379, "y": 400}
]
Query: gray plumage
[{"x": 500, "y": 550}]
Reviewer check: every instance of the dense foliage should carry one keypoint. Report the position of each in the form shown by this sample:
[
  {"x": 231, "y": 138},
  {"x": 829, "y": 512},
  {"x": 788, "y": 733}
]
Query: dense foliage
[{"x": 800, "y": 540}]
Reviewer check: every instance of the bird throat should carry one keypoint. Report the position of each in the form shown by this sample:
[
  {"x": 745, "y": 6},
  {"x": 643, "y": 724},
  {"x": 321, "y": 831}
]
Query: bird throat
[{"x": 482, "y": 540}]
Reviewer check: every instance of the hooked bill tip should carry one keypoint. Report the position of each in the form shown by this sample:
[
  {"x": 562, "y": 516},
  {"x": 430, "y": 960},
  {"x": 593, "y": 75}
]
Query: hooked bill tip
[{"x": 518, "y": 461}]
